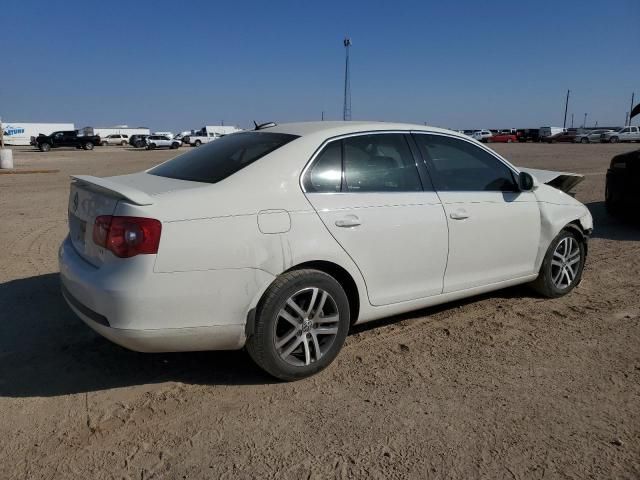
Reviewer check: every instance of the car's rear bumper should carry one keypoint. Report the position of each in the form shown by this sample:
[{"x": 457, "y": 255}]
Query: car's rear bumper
[{"x": 152, "y": 312}]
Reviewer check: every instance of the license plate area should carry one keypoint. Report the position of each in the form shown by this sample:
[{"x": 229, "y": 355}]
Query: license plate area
[{"x": 77, "y": 230}]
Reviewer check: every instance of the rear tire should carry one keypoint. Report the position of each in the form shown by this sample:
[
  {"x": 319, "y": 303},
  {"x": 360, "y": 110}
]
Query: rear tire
[
  {"x": 88, "y": 146},
  {"x": 613, "y": 140},
  {"x": 301, "y": 324},
  {"x": 198, "y": 143},
  {"x": 562, "y": 266}
]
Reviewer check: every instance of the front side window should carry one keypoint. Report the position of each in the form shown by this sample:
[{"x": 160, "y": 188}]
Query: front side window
[
  {"x": 218, "y": 160},
  {"x": 459, "y": 165}
]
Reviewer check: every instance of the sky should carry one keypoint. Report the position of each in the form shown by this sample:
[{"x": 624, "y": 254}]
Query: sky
[{"x": 178, "y": 66}]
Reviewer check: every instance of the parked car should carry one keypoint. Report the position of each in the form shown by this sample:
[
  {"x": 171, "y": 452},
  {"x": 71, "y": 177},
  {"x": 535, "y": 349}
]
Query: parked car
[
  {"x": 626, "y": 134},
  {"x": 180, "y": 257},
  {"x": 138, "y": 141},
  {"x": 622, "y": 191},
  {"x": 528, "y": 134},
  {"x": 66, "y": 138},
  {"x": 567, "y": 136},
  {"x": 482, "y": 135},
  {"x": 590, "y": 136},
  {"x": 502, "y": 137},
  {"x": 161, "y": 141},
  {"x": 546, "y": 132},
  {"x": 115, "y": 139}
]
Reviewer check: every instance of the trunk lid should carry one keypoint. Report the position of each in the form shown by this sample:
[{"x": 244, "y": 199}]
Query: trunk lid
[{"x": 90, "y": 197}]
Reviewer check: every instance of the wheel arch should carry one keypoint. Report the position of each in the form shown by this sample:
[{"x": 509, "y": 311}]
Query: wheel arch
[
  {"x": 576, "y": 226},
  {"x": 342, "y": 276}
]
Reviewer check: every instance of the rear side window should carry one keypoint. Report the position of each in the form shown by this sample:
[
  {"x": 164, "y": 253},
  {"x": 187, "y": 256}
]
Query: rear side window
[
  {"x": 460, "y": 166},
  {"x": 326, "y": 173},
  {"x": 364, "y": 163},
  {"x": 218, "y": 160},
  {"x": 379, "y": 163}
]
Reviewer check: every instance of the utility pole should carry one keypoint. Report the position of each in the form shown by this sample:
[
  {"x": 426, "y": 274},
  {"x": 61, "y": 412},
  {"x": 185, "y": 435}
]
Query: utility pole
[
  {"x": 1, "y": 134},
  {"x": 322, "y": 117},
  {"x": 566, "y": 106},
  {"x": 631, "y": 107},
  {"x": 572, "y": 120},
  {"x": 584, "y": 125},
  {"x": 346, "y": 109}
]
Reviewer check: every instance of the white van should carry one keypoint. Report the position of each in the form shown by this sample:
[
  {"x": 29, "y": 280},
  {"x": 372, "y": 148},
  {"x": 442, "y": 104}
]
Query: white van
[{"x": 549, "y": 131}]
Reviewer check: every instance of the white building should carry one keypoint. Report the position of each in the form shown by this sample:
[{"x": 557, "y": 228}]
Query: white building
[{"x": 20, "y": 133}]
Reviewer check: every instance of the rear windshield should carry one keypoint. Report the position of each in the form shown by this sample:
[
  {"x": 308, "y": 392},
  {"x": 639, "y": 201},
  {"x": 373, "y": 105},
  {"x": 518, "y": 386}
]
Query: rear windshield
[{"x": 222, "y": 158}]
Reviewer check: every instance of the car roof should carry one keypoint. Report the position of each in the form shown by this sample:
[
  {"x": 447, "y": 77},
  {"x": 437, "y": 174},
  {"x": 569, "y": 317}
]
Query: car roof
[{"x": 332, "y": 129}]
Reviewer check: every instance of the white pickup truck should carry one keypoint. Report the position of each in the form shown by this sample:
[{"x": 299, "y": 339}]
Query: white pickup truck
[
  {"x": 209, "y": 134},
  {"x": 626, "y": 134}
]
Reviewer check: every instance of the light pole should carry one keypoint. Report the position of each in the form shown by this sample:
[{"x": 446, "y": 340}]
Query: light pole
[
  {"x": 566, "y": 106},
  {"x": 346, "y": 108},
  {"x": 584, "y": 125}
]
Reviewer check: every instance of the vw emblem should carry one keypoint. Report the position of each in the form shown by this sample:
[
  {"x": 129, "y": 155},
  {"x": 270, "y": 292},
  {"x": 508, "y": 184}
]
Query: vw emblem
[{"x": 75, "y": 202}]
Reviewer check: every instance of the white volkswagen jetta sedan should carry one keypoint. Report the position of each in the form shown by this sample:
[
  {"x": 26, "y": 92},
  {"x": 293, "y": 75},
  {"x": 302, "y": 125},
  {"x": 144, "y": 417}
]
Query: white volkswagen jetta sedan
[{"x": 280, "y": 239}]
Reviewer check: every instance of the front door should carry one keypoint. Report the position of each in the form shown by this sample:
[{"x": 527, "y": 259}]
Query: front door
[
  {"x": 367, "y": 191},
  {"x": 494, "y": 229}
]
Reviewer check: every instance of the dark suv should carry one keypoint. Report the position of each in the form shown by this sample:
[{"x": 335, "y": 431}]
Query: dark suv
[
  {"x": 622, "y": 192},
  {"x": 138, "y": 141}
]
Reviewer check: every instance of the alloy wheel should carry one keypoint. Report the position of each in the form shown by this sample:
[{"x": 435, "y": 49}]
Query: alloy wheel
[
  {"x": 565, "y": 263},
  {"x": 306, "y": 326}
]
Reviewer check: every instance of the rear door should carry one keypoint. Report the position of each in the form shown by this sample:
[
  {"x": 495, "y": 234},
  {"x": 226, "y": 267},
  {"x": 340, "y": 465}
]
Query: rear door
[
  {"x": 494, "y": 229},
  {"x": 368, "y": 191}
]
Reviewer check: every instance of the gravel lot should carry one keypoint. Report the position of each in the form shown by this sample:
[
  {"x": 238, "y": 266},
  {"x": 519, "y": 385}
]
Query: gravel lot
[{"x": 506, "y": 385}]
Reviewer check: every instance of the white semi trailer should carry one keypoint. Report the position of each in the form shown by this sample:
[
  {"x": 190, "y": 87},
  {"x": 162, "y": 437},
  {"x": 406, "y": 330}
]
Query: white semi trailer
[
  {"x": 102, "y": 132},
  {"x": 20, "y": 133}
]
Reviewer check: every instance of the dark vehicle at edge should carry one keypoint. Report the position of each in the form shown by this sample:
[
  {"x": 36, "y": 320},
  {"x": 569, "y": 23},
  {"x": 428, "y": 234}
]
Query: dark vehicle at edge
[
  {"x": 528, "y": 134},
  {"x": 138, "y": 141},
  {"x": 622, "y": 191},
  {"x": 563, "y": 137},
  {"x": 66, "y": 138}
]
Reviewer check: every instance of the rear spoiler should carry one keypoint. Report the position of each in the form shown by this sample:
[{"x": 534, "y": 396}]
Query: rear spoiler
[
  {"x": 114, "y": 189},
  {"x": 561, "y": 180}
]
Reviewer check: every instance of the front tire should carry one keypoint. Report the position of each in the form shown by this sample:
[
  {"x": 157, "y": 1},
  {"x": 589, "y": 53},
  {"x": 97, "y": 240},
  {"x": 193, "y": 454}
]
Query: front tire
[
  {"x": 562, "y": 266},
  {"x": 124, "y": 144},
  {"x": 45, "y": 147},
  {"x": 584, "y": 140},
  {"x": 301, "y": 324},
  {"x": 104, "y": 144}
]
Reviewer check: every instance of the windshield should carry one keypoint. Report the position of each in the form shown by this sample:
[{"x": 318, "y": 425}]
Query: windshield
[{"x": 224, "y": 157}]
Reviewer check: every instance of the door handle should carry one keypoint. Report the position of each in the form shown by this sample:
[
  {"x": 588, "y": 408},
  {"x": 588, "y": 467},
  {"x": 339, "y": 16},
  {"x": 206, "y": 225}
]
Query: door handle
[
  {"x": 348, "y": 221},
  {"x": 459, "y": 215}
]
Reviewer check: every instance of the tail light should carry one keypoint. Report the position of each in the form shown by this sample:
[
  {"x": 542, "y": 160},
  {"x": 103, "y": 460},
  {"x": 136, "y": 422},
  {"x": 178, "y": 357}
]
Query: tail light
[{"x": 127, "y": 236}]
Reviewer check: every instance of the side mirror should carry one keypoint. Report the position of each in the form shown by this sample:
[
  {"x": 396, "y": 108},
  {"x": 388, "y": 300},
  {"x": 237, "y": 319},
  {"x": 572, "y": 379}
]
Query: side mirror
[{"x": 525, "y": 182}]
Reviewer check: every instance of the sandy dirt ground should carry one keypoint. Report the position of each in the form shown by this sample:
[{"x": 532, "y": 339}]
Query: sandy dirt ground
[{"x": 507, "y": 385}]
